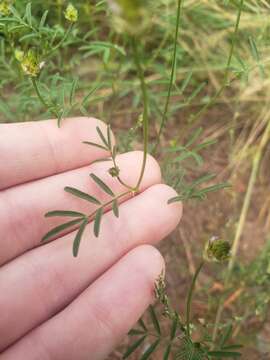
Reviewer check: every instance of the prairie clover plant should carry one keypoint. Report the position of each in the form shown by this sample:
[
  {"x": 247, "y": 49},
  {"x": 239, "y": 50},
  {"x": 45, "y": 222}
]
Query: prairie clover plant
[{"x": 33, "y": 48}]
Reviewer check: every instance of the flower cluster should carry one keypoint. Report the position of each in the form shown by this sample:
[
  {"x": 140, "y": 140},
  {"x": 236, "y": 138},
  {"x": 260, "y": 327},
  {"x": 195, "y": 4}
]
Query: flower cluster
[
  {"x": 130, "y": 16},
  {"x": 5, "y": 7},
  {"x": 217, "y": 250},
  {"x": 71, "y": 13},
  {"x": 30, "y": 62}
]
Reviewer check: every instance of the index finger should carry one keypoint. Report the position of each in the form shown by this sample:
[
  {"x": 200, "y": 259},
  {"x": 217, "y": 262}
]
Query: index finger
[{"x": 33, "y": 150}]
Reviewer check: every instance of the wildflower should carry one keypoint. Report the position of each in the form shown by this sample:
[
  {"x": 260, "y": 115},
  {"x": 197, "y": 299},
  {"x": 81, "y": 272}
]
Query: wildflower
[
  {"x": 71, "y": 13},
  {"x": 130, "y": 16},
  {"x": 5, "y": 7},
  {"x": 114, "y": 171},
  {"x": 217, "y": 250},
  {"x": 30, "y": 63}
]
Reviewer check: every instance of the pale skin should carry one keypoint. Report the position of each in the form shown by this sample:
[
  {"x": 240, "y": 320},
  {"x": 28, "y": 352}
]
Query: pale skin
[{"x": 54, "y": 306}]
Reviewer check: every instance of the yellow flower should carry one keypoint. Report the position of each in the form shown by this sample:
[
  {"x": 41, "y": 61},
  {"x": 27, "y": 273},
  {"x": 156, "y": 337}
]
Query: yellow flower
[
  {"x": 5, "y": 7},
  {"x": 71, "y": 13},
  {"x": 30, "y": 63},
  {"x": 130, "y": 16}
]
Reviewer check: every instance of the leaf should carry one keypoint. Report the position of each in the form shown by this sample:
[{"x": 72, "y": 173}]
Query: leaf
[
  {"x": 102, "y": 137},
  {"x": 102, "y": 185},
  {"x": 97, "y": 221},
  {"x": 43, "y": 19},
  {"x": 72, "y": 91},
  {"x": 142, "y": 324},
  {"x": 28, "y": 13},
  {"x": 134, "y": 332},
  {"x": 150, "y": 350},
  {"x": 115, "y": 208},
  {"x": 154, "y": 319},
  {"x": 167, "y": 352},
  {"x": 133, "y": 347},
  {"x": 58, "y": 229},
  {"x": 82, "y": 195},
  {"x": 64, "y": 213},
  {"x": 224, "y": 354},
  {"x": 96, "y": 145},
  {"x": 174, "y": 327},
  {"x": 175, "y": 199},
  {"x": 109, "y": 136},
  {"x": 77, "y": 241},
  {"x": 226, "y": 336}
]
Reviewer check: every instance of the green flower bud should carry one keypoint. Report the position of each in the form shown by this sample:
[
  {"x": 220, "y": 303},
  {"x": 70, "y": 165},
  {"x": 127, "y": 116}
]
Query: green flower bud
[
  {"x": 114, "y": 171},
  {"x": 71, "y": 13},
  {"x": 217, "y": 250},
  {"x": 130, "y": 16},
  {"x": 5, "y": 7},
  {"x": 30, "y": 63}
]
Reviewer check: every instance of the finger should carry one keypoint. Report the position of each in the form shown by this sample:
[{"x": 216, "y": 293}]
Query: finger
[
  {"x": 23, "y": 222},
  {"x": 34, "y": 150},
  {"x": 52, "y": 278},
  {"x": 99, "y": 318}
]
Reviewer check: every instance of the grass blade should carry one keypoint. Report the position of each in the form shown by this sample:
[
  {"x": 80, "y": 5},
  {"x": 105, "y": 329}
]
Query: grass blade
[{"x": 96, "y": 145}]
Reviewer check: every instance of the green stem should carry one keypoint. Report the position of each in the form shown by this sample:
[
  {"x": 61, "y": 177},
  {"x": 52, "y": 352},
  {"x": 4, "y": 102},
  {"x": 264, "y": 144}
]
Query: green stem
[
  {"x": 39, "y": 95},
  {"x": 227, "y": 71},
  {"x": 190, "y": 294},
  {"x": 173, "y": 69},
  {"x": 61, "y": 41},
  {"x": 145, "y": 111},
  {"x": 41, "y": 98}
]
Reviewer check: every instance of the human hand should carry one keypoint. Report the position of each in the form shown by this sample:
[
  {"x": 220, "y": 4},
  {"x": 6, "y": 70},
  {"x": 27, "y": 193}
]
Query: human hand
[{"x": 54, "y": 306}]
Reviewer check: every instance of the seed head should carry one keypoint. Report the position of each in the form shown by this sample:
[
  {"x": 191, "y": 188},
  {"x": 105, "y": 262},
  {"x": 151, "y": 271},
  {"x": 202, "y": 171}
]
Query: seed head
[
  {"x": 71, "y": 13},
  {"x": 217, "y": 250},
  {"x": 30, "y": 62},
  {"x": 114, "y": 171}
]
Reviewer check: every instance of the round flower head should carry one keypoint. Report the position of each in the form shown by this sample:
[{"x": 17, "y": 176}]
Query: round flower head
[
  {"x": 130, "y": 16},
  {"x": 71, "y": 13},
  {"x": 217, "y": 250},
  {"x": 5, "y": 7},
  {"x": 30, "y": 63},
  {"x": 114, "y": 171}
]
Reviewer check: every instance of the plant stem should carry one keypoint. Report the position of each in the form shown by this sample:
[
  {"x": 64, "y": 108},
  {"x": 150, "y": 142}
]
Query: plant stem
[
  {"x": 39, "y": 95},
  {"x": 190, "y": 294},
  {"x": 173, "y": 69},
  {"x": 227, "y": 71},
  {"x": 252, "y": 181},
  {"x": 61, "y": 41},
  {"x": 145, "y": 110}
]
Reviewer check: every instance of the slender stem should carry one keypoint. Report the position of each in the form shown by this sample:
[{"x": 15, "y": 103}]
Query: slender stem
[
  {"x": 173, "y": 69},
  {"x": 39, "y": 95},
  {"x": 56, "y": 47},
  {"x": 145, "y": 111},
  {"x": 118, "y": 177},
  {"x": 190, "y": 294},
  {"x": 227, "y": 71},
  {"x": 252, "y": 181}
]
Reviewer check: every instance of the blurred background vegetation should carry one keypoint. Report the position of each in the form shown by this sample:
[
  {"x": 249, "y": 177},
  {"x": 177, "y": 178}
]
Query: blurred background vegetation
[{"x": 93, "y": 73}]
